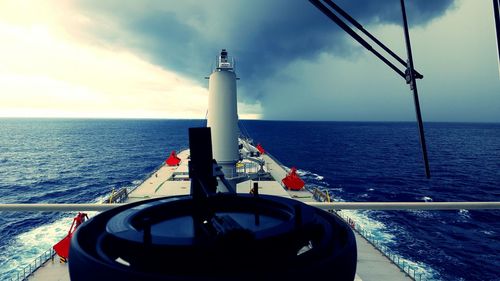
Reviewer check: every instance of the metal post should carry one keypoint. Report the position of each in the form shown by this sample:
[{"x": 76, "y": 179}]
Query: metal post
[
  {"x": 362, "y": 29},
  {"x": 354, "y": 35},
  {"x": 256, "y": 196},
  {"x": 413, "y": 85},
  {"x": 496, "y": 10}
]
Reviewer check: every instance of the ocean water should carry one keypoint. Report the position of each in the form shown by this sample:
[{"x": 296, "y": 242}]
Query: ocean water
[{"x": 77, "y": 161}]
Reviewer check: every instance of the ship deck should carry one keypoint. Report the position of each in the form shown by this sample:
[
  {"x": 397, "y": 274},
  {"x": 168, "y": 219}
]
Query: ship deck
[{"x": 174, "y": 181}]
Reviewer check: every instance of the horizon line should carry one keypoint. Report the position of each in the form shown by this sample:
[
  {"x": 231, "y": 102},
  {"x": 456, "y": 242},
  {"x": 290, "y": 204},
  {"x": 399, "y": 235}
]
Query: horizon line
[{"x": 244, "y": 119}]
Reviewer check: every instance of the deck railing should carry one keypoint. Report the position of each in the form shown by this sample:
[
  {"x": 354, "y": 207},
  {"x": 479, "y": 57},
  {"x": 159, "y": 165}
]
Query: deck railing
[
  {"x": 324, "y": 196},
  {"x": 242, "y": 170},
  {"x": 119, "y": 196},
  {"x": 25, "y": 272},
  {"x": 411, "y": 271},
  {"x": 321, "y": 196},
  {"x": 387, "y": 206},
  {"x": 330, "y": 206}
]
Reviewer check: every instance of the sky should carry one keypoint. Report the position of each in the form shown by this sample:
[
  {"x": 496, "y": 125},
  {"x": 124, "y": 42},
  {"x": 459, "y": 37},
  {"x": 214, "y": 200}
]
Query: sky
[{"x": 148, "y": 59}]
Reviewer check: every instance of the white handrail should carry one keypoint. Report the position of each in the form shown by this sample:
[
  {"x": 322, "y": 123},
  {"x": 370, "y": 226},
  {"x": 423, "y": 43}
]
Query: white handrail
[
  {"x": 321, "y": 205},
  {"x": 406, "y": 205},
  {"x": 42, "y": 207}
]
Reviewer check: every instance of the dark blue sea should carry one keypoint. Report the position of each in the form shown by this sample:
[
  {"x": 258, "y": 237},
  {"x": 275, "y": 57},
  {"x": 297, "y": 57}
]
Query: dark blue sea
[{"x": 77, "y": 161}]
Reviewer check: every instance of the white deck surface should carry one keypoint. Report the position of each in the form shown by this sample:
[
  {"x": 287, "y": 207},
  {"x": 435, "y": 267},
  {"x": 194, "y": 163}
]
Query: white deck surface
[
  {"x": 265, "y": 187},
  {"x": 160, "y": 184},
  {"x": 372, "y": 265},
  {"x": 52, "y": 270}
]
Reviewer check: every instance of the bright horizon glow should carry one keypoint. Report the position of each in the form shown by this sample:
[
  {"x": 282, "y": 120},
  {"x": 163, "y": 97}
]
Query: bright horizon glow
[
  {"x": 59, "y": 78},
  {"x": 51, "y": 72}
]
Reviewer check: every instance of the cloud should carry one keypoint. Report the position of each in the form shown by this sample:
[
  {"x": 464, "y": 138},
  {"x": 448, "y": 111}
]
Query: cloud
[
  {"x": 51, "y": 72},
  {"x": 264, "y": 35},
  {"x": 457, "y": 57},
  {"x": 132, "y": 56}
]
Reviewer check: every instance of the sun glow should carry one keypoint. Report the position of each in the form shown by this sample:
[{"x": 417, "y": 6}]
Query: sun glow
[{"x": 50, "y": 68}]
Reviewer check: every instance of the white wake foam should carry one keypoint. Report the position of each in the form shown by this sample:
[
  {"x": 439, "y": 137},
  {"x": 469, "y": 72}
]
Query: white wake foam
[
  {"x": 425, "y": 199},
  {"x": 377, "y": 230},
  {"x": 28, "y": 246},
  {"x": 464, "y": 214}
]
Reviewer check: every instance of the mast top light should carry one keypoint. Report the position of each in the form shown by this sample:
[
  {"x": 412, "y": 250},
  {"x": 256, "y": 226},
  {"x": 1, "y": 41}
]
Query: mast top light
[{"x": 224, "y": 62}]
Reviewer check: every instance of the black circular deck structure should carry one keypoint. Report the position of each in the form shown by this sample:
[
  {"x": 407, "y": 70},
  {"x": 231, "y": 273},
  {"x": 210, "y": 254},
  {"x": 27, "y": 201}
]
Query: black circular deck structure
[{"x": 222, "y": 237}]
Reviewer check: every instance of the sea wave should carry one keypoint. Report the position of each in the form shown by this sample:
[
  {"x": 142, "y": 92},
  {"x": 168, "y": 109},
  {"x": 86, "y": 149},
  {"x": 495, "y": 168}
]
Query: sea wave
[
  {"x": 425, "y": 199},
  {"x": 27, "y": 246},
  {"x": 378, "y": 230},
  {"x": 80, "y": 160}
]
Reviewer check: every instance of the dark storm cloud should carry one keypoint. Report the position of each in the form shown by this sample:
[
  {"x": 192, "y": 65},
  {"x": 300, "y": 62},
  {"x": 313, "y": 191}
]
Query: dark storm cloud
[{"x": 185, "y": 36}]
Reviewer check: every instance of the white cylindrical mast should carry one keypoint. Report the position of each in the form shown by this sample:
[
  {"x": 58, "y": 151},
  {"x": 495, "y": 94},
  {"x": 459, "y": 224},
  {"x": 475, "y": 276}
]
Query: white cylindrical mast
[{"x": 222, "y": 112}]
